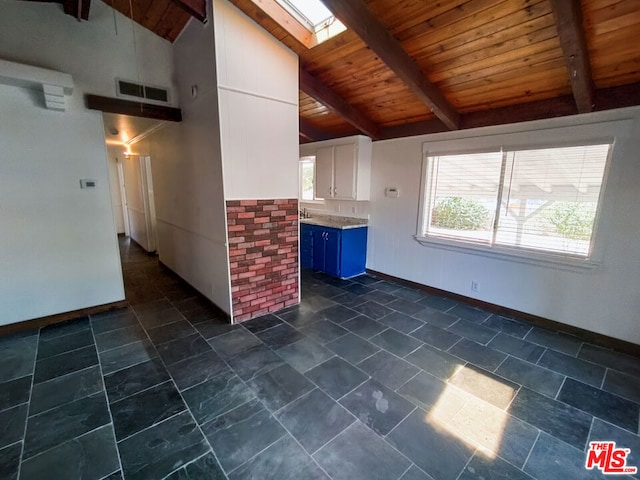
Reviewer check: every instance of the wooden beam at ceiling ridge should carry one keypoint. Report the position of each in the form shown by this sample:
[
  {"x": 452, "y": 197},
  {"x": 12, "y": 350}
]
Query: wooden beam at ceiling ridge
[
  {"x": 358, "y": 17},
  {"x": 196, "y": 8},
  {"x": 330, "y": 99},
  {"x": 136, "y": 109},
  {"x": 568, "y": 16},
  {"x": 310, "y": 132},
  {"x": 604, "y": 99}
]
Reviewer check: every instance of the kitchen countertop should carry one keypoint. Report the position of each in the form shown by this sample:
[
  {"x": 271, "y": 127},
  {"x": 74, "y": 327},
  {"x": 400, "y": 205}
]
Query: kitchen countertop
[{"x": 342, "y": 223}]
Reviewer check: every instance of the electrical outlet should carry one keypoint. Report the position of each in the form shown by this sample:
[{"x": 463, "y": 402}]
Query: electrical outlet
[{"x": 474, "y": 286}]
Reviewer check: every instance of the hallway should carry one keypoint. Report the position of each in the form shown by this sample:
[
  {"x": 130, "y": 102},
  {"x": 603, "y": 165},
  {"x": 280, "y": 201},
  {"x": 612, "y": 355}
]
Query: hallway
[{"x": 366, "y": 379}]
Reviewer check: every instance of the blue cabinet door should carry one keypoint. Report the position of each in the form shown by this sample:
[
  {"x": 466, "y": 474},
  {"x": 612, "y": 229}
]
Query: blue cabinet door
[
  {"x": 332, "y": 251},
  {"x": 306, "y": 245},
  {"x": 319, "y": 248},
  {"x": 354, "y": 252}
]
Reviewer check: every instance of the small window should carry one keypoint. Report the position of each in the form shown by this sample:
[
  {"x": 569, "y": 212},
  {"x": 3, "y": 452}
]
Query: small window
[
  {"x": 307, "y": 176},
  {"x": 543, "y": 200}
]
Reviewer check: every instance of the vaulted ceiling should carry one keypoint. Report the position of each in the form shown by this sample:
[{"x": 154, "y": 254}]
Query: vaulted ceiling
[{"x": 407, "y": 67}]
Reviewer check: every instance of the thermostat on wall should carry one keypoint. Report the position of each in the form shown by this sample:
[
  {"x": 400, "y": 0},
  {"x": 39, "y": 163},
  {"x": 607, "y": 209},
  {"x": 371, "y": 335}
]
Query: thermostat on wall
[
  {"x": 391, "y": 192},
  {"x": 88, "y": 183}
]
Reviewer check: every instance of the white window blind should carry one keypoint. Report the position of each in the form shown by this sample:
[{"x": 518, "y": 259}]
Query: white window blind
[{"x": 537, "y": 199}]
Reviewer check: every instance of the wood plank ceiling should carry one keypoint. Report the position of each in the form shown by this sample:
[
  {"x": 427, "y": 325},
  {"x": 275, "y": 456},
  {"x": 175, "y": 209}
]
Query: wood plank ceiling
[{"x": 489, "y": 61}]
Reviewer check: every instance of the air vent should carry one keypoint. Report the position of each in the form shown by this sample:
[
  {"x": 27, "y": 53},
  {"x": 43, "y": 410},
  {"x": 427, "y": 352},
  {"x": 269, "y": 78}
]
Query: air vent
[{"x": 138, "y": 90}]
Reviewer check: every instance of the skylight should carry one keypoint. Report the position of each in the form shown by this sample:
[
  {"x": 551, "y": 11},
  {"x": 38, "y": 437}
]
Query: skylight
[{"x": 311, "y": 13}]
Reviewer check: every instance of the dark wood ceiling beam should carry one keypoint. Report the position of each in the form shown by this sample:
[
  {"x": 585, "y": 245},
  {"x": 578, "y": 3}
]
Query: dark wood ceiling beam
[
  {"x": 76, "y": 8},
  {"x": 330, "y": 99},
  {"x": 310, "y": 132},
  {"x": 196, "y": 8},
  {"x": 136, "y": 109},
  {"x": 568, "y": 16},
  {"x": 358, "y": 17}
]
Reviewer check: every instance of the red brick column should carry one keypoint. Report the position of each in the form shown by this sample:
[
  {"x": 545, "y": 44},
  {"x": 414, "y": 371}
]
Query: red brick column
[{"x": 263, "y": 255}]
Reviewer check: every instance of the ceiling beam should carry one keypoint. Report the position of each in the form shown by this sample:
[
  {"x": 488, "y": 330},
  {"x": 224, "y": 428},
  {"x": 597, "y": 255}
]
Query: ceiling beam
[
  {"x": 136, "y": 109},
  {"x": 330, "y": 99},
  {"x": 358, "y": 17},
  {"x": 568, "y": 16},
  {"x": 310, "y": 132},
  {"x": 76, "y": 8},
  {"x": 196, "y": 8}
]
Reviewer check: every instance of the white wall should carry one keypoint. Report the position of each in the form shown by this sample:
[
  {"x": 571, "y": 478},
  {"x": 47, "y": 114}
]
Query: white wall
[
  {"x": 58, "y": 246},
  {"x": 258, "y": 95},
  {"x": 115, "y": 154},
  {"x": 134, "y": 190},
  {"x": 604, "y": 300}
]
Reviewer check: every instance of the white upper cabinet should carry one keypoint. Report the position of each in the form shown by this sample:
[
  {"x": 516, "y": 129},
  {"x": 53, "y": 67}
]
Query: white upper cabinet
[{"x": 343, "y": 167}]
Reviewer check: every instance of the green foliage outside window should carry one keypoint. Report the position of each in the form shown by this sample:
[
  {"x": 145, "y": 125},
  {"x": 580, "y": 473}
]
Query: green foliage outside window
[
  {"x": 459, "y": 213},
  {"x": 571, "y": 219}
]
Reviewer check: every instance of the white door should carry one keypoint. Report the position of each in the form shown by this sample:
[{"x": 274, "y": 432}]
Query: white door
[
  {"x": 149, "y": 203},
  {"x": 324, "y": 172},
  {"x": 345, "y": 172},
  {"x": 123, "y": 198}
]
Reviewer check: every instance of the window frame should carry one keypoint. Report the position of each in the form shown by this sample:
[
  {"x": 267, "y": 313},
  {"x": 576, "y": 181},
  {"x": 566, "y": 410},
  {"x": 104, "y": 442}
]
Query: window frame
[
  {"x": 307, "y": 159},
  {"x": 566, "y": 261}
]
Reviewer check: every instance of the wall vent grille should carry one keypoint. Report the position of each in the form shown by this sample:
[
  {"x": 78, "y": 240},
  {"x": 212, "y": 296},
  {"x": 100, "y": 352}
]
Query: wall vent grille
[{"x": 130, "y": 89}]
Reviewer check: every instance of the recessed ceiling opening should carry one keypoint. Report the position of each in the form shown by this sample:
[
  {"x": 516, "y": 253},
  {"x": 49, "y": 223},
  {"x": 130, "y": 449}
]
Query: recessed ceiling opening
[{"x": 311, "y": 15}]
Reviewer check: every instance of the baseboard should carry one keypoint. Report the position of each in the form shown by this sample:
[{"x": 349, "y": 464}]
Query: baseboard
[
  {"x": 60, "y": 317},
  {"x": 584, "y": 335}
]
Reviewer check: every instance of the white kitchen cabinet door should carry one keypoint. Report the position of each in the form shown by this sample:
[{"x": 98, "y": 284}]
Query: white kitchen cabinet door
[
  {"x": 344, "y": 158},
  {"x": 324, "y": 172}
]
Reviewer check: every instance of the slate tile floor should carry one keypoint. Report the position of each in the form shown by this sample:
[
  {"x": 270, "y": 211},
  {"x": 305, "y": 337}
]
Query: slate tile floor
[{"x": 365, "y": 379}]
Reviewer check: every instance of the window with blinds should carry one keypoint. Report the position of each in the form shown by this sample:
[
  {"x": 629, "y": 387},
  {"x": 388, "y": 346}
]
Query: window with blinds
[{"x": 538, "y": 199}]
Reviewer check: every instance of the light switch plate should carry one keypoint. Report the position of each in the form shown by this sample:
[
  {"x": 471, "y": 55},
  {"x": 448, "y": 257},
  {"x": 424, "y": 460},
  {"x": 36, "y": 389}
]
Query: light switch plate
[{"x": 88, "y": 183}]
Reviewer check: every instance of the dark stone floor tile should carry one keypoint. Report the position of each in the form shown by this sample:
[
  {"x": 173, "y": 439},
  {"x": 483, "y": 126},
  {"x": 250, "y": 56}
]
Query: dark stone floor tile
[
  {"x": 414, "y": 473},
  {"x": 242, "y": 433},
  {"x": 91, "y": 456},
  {"x": 212, "y": 328},
  {"x": 615, "y": 382},
  {"x": 436, "y": 336},
  {"x": 118, "y": 338},
  {"x": 65, "y": 363},
  {"x": 446, "y": 455},
  {"x": 359, "y": 454},
  {"x": 284, "y": 460},
  {"x": 145, "y": 408},
  {"x": 425, "y": 390},
  {"x": 153, "y": 307},
  {"x": 254, "y": 361},
  {"x": 605, "y": 432},
  {"x": 10, "y": 461},
  {"x": 336, "y": 377},
  {"x": 477, "y": 354},
  {"x": 18, "y": 357},
  {"x": 366, "y": 279},
  {"x": 12, "y": 423},
  {"x": 480, "y": 468},
  {"x": 435, "y": 362},
  {"x": 134, "y": 379},
  {"x": 164, "y": 317},
  {"x": 280, "y": 336},
  {"x": 161, "y": 449},
  {"x": 556, "y": 418},
  {"x": 15, "y": 392},
  {"x": 338, "y": 314},
  {"x": 379, "y": 297},
  {"x": 436, "y": 318},
  {"x": 386, "y": 287},
  {"x": 356, "y": 289},
  {"x": 177, "y": 350},
  {"x": 536, "y": 378},
  {"x": 300, "y": 316},
  {"x": 372, "y": 310},
  {"x": 401, "y": 322},
  {"x": 614, "y": 360},
  {"x": 516, "y": 347},
  {"x": 605, "y": 405},
  {"x": 314, "y": 419},
  {"x": 280, "y": 386},
  {"x": 582, "y": 370},
  {"x": 323, "y": 331},
  {"x": 551, "y": 458},
  {"x": 405, "y": 306},
  {"x": 114, "y": 476},
  {"x": 349, "y": 299},
  {"x": 364, "y": 326},
  {"x": 234, "y": 343},
  {"x": 553, "y": 340},
  {"x": 352, "y": 348},
  {"x": 388, "y": 370},
  {"x": 65, "y": 343},
  {"x": 204, "y": 468},
  {"x": 198, "y": 369},
  {"x": 409, "y": 294},
  {"x": 124, "y": 320},
  {"x": 316, "y": 303},
  {"x": 68, "y": 327},
  {"x": 472, "y": 331},
  {"x": 126, "y": 356},
  {"x": 506, "y": 325},
  {"x": 65, "y": 389},
  {"x": 437, "y": 303},
  {"x": 203, "y": 315},
  {"x": 469, "y": 313},
  {"x": 259, "y": 324},
  {"x": 378, "y": 407},
  {"x": 304, "y": 354},
  {"x": 64, "y": 423},
  {"x": 485, "y": 385},
  {"x": 395, "y": 342},
  {"x": 172, "y": 331}
]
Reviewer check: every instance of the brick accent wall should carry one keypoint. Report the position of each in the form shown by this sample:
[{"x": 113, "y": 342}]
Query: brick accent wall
[{"x": 263, "y": 255}]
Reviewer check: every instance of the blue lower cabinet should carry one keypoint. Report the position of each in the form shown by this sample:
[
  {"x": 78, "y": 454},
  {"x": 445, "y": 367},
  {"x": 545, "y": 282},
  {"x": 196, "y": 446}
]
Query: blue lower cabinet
[{"x": 337, "y": 252}]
